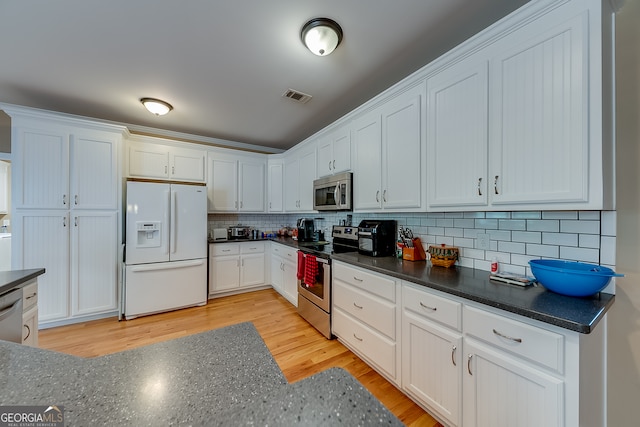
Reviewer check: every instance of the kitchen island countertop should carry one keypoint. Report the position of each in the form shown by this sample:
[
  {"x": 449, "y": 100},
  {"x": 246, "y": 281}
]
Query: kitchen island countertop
[{"x": 12, "y": 279}]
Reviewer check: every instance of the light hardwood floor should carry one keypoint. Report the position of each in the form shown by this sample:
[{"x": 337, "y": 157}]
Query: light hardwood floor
[{"x": 298, "y": 348}]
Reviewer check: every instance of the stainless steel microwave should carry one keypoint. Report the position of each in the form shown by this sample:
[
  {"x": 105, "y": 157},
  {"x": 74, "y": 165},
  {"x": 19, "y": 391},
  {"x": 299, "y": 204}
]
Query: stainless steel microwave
[{"x": 333, "y": 193}]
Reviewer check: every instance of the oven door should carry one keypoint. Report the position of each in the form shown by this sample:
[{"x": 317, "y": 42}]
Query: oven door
[{"x": 319, "y": 291}]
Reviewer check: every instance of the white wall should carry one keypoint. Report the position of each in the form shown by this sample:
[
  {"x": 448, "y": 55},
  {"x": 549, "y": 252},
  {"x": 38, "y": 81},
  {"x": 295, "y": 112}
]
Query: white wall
[{"x": 624, "y": 317}]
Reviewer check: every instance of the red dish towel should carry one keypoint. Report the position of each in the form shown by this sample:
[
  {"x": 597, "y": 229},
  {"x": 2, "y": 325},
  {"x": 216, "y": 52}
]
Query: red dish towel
[
  {"x": 300, "y": 273},
  {"x": 310, "y": 270}
]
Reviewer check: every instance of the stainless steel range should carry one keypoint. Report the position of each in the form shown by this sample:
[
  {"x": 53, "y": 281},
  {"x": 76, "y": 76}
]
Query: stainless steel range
[{"x": 314, "y": 276}]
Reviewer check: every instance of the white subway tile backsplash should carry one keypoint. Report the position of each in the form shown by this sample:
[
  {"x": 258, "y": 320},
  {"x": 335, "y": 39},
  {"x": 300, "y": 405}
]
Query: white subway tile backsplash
[
  {"x": 515, "y": 237},
  {"x": 580, "y": 254},
  {"x": 560, "y": 239},
  {"x": 526, "y": 236},
  {"x": 585, "y": 227},
  {"x": 512, "y": 224},
  {"x": 548, "y": 225}
]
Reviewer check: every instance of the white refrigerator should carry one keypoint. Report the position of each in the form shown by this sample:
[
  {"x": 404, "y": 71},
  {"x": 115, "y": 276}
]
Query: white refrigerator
[{"x": 166, "y": 247}]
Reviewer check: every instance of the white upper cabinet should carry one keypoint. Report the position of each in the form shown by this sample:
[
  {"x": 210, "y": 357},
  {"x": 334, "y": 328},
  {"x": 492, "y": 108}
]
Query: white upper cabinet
[
  {"x": 539, "y": 114},
  {"x": 300, "y": 172},
  {"x": 275, "y": 181},
  {"x": 149, "y": 159},
  {"x": 457, "y": 139},
  {"x": 235, "y": 183},
  {"x": 390, "y": 154},
  {"x": 334, "y": 151},
  {"x": 65, "y": 167}
]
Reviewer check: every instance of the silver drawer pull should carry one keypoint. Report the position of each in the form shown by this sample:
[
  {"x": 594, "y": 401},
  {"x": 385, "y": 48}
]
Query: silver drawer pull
[
  {"x": 357, "y": 337},
  {"x": 359, "y": 280},
  {"x": 31, "y": 296},
  {"x": 507, "y": 337},
  {"x": 357, "y": 306},
  {"x": 226, "y": 250},
  {"x": 469, "y": 357},
  {"x": 427, "y": 307}
]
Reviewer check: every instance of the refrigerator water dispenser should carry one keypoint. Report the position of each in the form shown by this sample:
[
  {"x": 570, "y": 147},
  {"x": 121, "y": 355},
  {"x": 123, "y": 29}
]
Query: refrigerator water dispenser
[{"x": 148, "y": 234}]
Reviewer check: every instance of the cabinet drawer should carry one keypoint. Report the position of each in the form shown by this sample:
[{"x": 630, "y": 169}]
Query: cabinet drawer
[
  {"x": 535, "y": 344},
  {"x": 371, "y": 310},
  {"x": 285, "y": 252},
  {"x": 433, "y": 307},
  {"x": 225, "y": 249},
  {"x": 378, "y": 285},
  {"x": 30, "y": 295},
  {"x": 252, "y": 247},
  {"x": 367, "y": 342}
]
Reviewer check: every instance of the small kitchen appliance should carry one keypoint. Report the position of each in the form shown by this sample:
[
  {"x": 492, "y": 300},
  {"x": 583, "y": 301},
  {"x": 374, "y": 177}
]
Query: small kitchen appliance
[
  {"x": 306, "y": 230},
  {"x": 220, "y": 234},
  {"x": 236, "y": 232},
  {"x": 377, "y": 237},
  {"x": 333, "y": 193}
]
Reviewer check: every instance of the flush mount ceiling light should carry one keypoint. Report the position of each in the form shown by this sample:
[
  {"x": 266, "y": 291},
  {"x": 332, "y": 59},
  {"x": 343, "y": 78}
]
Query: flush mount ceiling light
[
  {"x": 321, "y": 36},
  {"x": 156, "y": 106}
]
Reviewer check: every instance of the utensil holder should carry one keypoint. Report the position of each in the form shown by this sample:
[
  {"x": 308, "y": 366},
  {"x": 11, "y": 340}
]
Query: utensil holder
[{"x": 416, "y": 253}]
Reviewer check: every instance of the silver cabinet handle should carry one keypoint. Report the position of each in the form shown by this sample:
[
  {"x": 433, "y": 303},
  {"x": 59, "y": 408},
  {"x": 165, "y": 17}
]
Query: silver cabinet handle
[
  {"x": 469, "y": 357},
  {"x": 269, "y": 205},
  {"x": 241, "y": 204},
  {"x": 479, "y": 189},
  {"x": 357, "y": 337},
  {"x": 357, "y": 306},
  {"x": 235, "y": 204},
  {"x": 173, "y": 170},
  {"x": 427, "y": 307},
  {"x": 64, "y": 221},
  {"x": 64, "y": 199},
  {"x": 75, "y": 199},
  {"x": 165, "y": 169},
  {"x": 495, "y": 184},
  {"x": 507, "y": 337},
  {"x": 453, "y": 354},
  {"x": 334, "y": 164},
  {"x": 378, "y": 196},
  {"x": 75, "y": 221},
  {"x": 384, "y": 196},
  {"x": 357, "y": 279},
  {"x": 31, "y": 296},
  {"x": 329, "y": 164}
]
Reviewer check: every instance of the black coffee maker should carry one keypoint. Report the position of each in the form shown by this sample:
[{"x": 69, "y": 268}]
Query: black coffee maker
[{"x": 306, "y": 230}]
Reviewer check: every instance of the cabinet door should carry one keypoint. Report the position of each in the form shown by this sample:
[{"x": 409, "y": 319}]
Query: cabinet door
[
  {"x": 325, "y": 156},
  {"x": 431, "y": 366},
  {"x": 41, "y": 169},
  {"x": 148, "y": 161},
  {"x": 94, "y": 262},
  {"x": 457, "y": 140},
  {"x": 222, "y": 187},
  {"x": 307, "y": 176},
  {"x": 290, "y": 281},
  {"x": 539, "y": 110},
  {"x": 402, "y": 151},
  {"x": 500, "y": 391},
  {"x": 342, "y": 149},
  {"x": 251, "y": 184},
  {"x": 187, "y": 165},
  {"x": 94, "y": 171},
  {"x": 30, "y": 327},
  {"x": 225, "y": 272},
  {"x": 252, "y": 269},
  {"x": 367, "y": 181},
  {"x": 275, "y": 182},
  {"x": 44, "y": 243},
  {"x": 277, "y": 273},
  {"x": 4, "y": 187},
  {"x": 292, "y": 185}
]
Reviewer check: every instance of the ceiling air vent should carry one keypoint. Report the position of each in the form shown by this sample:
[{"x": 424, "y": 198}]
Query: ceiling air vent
[{"x": 297, "y": 96}]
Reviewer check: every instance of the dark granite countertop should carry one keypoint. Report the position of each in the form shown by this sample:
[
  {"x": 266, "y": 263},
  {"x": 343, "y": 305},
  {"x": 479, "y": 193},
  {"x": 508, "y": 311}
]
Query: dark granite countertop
[
  {"x": 12, "y": 279},
  {"x": 221, "y": 377},
  {"x": 535, "y": 302}
]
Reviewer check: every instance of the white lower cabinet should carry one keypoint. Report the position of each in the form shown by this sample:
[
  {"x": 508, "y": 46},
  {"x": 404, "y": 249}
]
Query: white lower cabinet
[
  {"x": 432, "y": 352},
  {"x": 30, "y": 314},
  {"x": 284, "y": 266},
  {"x": 366, "y": 319},
  {"x": 469, "y": 364},
  {"x": 236, "y": 267}
]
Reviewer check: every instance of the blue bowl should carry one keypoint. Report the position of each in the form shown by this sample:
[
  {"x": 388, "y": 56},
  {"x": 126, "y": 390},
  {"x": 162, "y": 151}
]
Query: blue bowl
[{"x": 576, "y": 279}]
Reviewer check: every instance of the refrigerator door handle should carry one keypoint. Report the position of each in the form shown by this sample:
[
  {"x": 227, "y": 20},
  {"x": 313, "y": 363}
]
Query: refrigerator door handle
[
  {"x": 174, "y": 225},
  {"x": 167, "y": 222}
]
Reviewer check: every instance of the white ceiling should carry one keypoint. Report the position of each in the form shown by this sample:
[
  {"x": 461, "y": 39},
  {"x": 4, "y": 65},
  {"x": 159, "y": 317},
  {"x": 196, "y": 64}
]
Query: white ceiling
[{"x": 222, "y": 64}]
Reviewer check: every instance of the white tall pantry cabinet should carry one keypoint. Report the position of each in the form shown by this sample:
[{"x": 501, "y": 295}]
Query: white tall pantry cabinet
[{"x": 66, "y": 192}]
